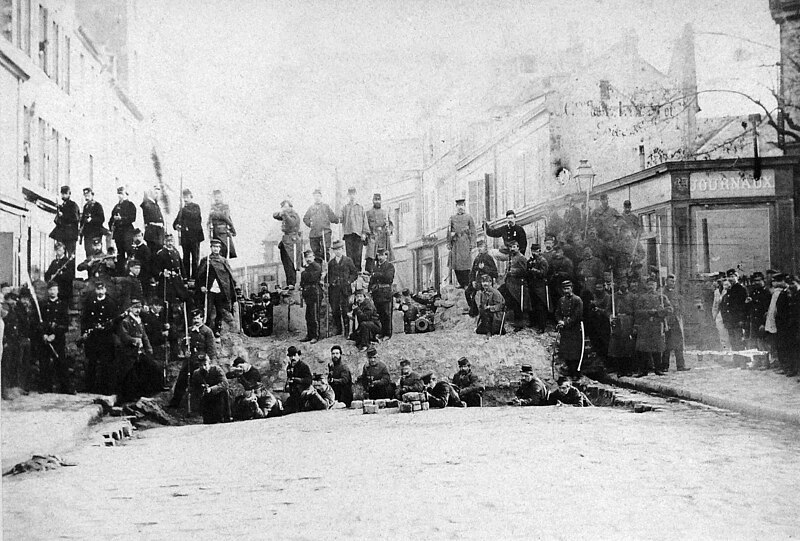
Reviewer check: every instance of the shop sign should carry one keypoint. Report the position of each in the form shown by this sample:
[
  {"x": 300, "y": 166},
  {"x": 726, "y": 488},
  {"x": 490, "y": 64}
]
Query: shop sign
[{"x": 717, "y": 184}]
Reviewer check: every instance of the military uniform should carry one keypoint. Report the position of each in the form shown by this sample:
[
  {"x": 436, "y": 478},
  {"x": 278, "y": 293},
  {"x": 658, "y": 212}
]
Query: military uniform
[
  {"x": 538, "y": 269},
  {"x": 62, "y": 272},
  {"x": 221, "y": 287},
  {"x": 189, "y": 223},
  {"x": 153, "y": 224},
  {"x": 460, "y": 239},
  {"x": 221, "y": 226},
  {"x": 482, "y": 264},
  {"x": 508, "y": 233},
  {"x": 532, "y": 393},
  {"x": 380, "y": 287},
  {"x": 201, "y": 345},
  {"x": 97, "y": 320},
  {"x": 491, "y": 306},
  {"x": 469, "y": 389},
  {"x": 211, "y": 387},
  {"x": 443, "y": 395},
  {"x": 91, "y": 224},
  {"x": 378, "y": 223},
  {"x": 570, "y": 346},
  {"x": 573, "y": 397},
  {"x": 354, "y": 231},
  {"x": 311, "y": 291},
  {"x": 145, "y": 256},
  {"x": 137, "y": 374},
  {"x": 53, "y": 361},
  {"x": 376, "y": 381},
  {"x": 122, "y": 230},
  {"x": 66, "y": 229},
  {"x": 410, "y": 383},
  {"x": 341, "y": 275},
  {"x": 673, "y": 338},
  {"x": 319, "y": 218},
  {"x": 368, "y": 322},
  {"x": 622, "y": 341},
  {"x": 169, "y": 260},
  {"x": 515, "y": 289},
  {"x": 651, "y": 312},
  {"x": 257, "y": 402}
]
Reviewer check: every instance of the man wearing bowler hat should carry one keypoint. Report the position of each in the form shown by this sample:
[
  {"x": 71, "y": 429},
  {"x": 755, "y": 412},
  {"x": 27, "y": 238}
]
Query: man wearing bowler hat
[
  {"x": 460, "y": 239},
  {"x": 298, "y": 380},
  {"x": 341, "y": 275},
  {"x": 319, "y": 218},
  {"x": 379, "y": 237},
  {"x": 354, "y": 228}
]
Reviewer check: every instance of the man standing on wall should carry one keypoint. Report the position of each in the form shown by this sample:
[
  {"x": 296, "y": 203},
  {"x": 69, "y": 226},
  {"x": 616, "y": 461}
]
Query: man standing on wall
[
  {"x": 460, "y": 239},
  {"x": 319, "y": 218},
  {"x": 66, "y": 220},
  {"x": 380, "y": 287},
  {"x": 341, "y": 275},
  {"x": 92, "y": 220},
  {"x": 121, "y": 224},
  {"x": 189, "y": 224},
  {"x": 290, "y": 242},
  {"x": 354, "y": 228},
  {"x": 379, "y": 237}
]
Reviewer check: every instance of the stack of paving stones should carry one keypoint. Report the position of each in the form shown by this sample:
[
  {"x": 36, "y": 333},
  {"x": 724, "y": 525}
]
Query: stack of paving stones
[
  {"x": 390, "y": 405},
  {"x": 750, "y": 358}
]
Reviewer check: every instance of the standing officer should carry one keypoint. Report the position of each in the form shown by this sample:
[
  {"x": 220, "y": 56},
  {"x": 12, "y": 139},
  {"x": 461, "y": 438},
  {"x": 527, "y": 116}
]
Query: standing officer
[
  {"x": 290, "y": 242},
  {"x": 68, "y": 216},
  {"x": 311, "y": 291},
  {"x": 341, "y": 275},
  {"x": 167, "y": 266},
  {"x": 339, "y": 377},
  {"x": 153, "y": 221},
  {"x": 380, "y": 287},
  {"x": 354, "y": 228},
  {"x": 121, "y": 225},
  {"x": 200, "y": 346},
  {"x": 97, "y": 330},
  {"x": 515, "y": 288},
  {"x": 379, "y": 237},
  {"x": 62, "y": 272},
  {"x": 482, "y": 264},
  {"x": 460, "y": 238},
  {"x": 216, "y": 280},
  {"x": 92, "y": 220},
  {"x": 220, "y": 225},
  {"x": 569, "y": 318},
  {"x": 54, "y": 326},
  {"x": 189, "y": 225},
  {"x": 508, "y": 232},
  {"x": 652, "y": 310},
  {"x": 319, "y": 218}
]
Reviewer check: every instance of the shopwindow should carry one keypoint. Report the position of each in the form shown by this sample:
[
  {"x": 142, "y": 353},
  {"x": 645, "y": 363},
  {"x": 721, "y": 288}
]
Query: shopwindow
[{"x": 731, "y": 238}]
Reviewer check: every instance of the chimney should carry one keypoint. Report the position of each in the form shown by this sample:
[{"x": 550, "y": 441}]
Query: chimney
[{"x": 683, "y": 69}]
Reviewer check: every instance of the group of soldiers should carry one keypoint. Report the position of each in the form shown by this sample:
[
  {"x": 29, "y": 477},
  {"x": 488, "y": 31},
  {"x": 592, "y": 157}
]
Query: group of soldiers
[{"x": 361, "y": 303}]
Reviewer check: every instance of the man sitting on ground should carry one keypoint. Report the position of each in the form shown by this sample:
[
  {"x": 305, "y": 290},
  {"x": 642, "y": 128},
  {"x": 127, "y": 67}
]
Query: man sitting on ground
[
  {"x": 375, "y": 378},
  {"x": 257, "y": 401},
  {"x": 532, "y": 390},
  {"x": 211, "y": 386},
  {"x": 319, "y": 396},
  {"x": 410, "y": 382},
  {"x": 470, "y": 391},
  {"x": 565, "y": 393},
  {"x": 440, "y": 393}
]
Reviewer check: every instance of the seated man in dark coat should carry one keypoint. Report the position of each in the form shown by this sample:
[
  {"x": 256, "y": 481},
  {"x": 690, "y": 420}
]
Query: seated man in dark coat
[
  {"x": 469, "y": 389},
  {"x": 319, "y": 396},
  {"x": 410, "y": 382},
  {"x": 368, "y": 320},
  {"x": 532, "y": 390},
  {"x": 137, "y": 373},
  {"x": 211, "y": 386},
  {"x": 339, "y": 377},
  {"x": 440, "y": 393},
  {"x": 375, "y": 378},
  {"x": 298, "y": 380},
  {"x": 257, "y": 401},
  {"x": 565, "y": 393}
]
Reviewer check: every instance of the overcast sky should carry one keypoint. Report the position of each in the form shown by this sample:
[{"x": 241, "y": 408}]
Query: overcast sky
[{"x": 266, "y": 98}]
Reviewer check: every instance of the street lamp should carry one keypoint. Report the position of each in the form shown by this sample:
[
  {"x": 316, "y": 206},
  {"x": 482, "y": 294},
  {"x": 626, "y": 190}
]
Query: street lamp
[{"x": 585, "y": 171}]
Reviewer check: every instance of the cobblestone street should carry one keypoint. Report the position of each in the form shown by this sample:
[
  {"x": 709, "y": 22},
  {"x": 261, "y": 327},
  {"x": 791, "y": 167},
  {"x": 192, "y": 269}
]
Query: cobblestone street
[{"x": 553, "y": 473}]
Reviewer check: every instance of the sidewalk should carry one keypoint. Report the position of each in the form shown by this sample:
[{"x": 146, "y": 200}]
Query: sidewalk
[
  {"x": 44, "y": 424},
  {"x": 758, "y": 393}
]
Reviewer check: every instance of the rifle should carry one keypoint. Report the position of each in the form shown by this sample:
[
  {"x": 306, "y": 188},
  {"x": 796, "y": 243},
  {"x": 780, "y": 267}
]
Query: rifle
[
  {"x": 188, "y": 361},
  {"x": 208, "y": 273},
  {"x": 62, "y": 267},
  {"x": 101, "y": 327},
  {"x": 166, "y": 327}
]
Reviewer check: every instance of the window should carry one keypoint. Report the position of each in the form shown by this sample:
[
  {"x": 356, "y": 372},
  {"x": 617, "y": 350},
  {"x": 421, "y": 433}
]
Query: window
[
  {"x": 56, "y": 73},
  {"x": 54, "y": 159},
  {"x": 43, "y": 166},
  {"x": 26, "y": 143},
  {"x": 67, "y": 161},
  {"x": 476, "y": 199},
  {"x": 43, "y": 45},
  {"x": 67, "y": 63},
  {"x": 24, "y": 20},
  {"x": 7, "y": 19}
]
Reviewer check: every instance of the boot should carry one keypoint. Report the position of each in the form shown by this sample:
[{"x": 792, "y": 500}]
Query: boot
[{"x": 346, "y": 329}]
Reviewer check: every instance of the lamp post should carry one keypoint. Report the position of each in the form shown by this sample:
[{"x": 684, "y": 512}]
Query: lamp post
[{"x": 585, "y": 172}]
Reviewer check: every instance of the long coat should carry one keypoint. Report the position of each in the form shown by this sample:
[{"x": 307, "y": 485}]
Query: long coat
[
  {"x": 189, "y": 222},
  {"x": 92, "y": 220},
  {"x": 490, "y": 305},
  {"x": 378, "y": 223},
  {"x": 66, "y": 220},
  {"x": 460, "y": 239},
  {"x": 483, "y": 264},
  {"x": 675, "y": 319},
  {"x": 221, "y": 225},
  {"x": 649, "y": 317},
  {"x": 219, "y": 270},
  {"x": 570, "y": 310},
  {"x": 127, "y": 215},
  {"x": 538, "y": 269},
  {"x": 153, "y": 221},
  {"x": 517, "y": 283}
]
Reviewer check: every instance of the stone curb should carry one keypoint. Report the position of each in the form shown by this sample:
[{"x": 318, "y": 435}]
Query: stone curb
[{"x": 741, "y": 406}]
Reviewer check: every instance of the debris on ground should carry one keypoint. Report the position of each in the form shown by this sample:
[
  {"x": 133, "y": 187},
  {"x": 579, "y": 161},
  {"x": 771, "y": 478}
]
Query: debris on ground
[{"x": 39, "y": 463}]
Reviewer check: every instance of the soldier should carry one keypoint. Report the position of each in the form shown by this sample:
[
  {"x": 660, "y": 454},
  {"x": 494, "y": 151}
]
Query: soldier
[
  {"x": 366, "y": 315},
  {"x": 62, "y": 272},
  {"x": 54, "y": 326},
  {"x": 380, "y": 287},
  {"x": 319, "y": 396},
  {"x": 341, "y": 275},
  {"x": 200, "y": 346},
  {"x": 787, "y": 322},
  {"x": 257, "y": 402},
  {"x": 142, "y": 253},
  {"x": 590, "y": 266},
  {"x": 460, "y": 238},
  {"x": 290, "y": 242},
  {"x": 630, "y": 220},
  {"x": 97, "y": 322},
  {"x": 354, "y": 228},
  {"x": 311, "y": 291},
  {"x": 189, "y": 225},
  {"x": 153, "y": 221},
  {"x": 549, "y": 247},
  {"x": 652, "y": 309},
  {"x": 375, "y": 378},
  {"x": 440, "y": 393},
  {"x": 569, "y": 324},
  {"x": 379, "y": 237},
  {"x": 68, "y": 216},
  {"x": 92, "y": 220},
  {"x": 482, "y": 264},
  {"x": 129, "y": 286},
  {"x": 121, "y": 225},
  {"x": 560, "y": 269},
  {"x": 508, "y": 232},
  {"x": 409, "y": 381},
  {"x": 491, "y": 308},
  {"x": 673, "y": 338},
  {"x": 566, "y": 394},
  {"x": 757, "y": 304},
  {"x": 298, "y": 380},
  {"x": 466, "y": 383},
  {"x": 515, "y": 289},
  {"x": 538, "y": 270},
  {"x": 411, "y": 310},
  {"x": 573, "y": 219},
  {"x": 733, "y": 308},
  {"x": 211, "y": 386},
  {"x": 136, "y": 371},
  {"x": 532, "y": 390},
  {"x": 220, "y": 225},
  {"x": 319, "y": 218},
  {"x": 604, "y": 218},
  {"x": 216, "y": 279},
  {"x": 621, "y": 345},
  {"x": 99, "y": 266},
  {"x": 167, "y": 266},
  {"x": 339, "y": 377}
]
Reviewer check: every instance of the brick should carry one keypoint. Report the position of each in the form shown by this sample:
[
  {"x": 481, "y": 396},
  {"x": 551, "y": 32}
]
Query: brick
[
  {"x": 416, "y": 406},
  {"x": 369, "y": 402},
  {"x": 425, "y": 406},
  {"x": 357, "y": 404},
  {"x": 392, "y": 403},
  {"x": 371, "y": 408},
  {"x": 381, "y": 403},
  {"x": 405, "y": 407}
]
